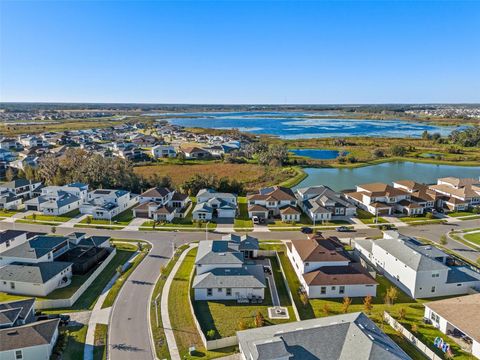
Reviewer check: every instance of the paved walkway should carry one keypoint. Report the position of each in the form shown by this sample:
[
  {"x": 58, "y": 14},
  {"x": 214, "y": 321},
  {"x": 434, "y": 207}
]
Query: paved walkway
[
  {"x": 17, "y": 216},
  {"x": 272, "y": 286},
  {"x": 358, "y": 224},
  {"x": 70, "y": 223},
  {"x": 167, "y": 325},
  {"x": 134, "y": 224},
  {"x": 395, "y": 221}
]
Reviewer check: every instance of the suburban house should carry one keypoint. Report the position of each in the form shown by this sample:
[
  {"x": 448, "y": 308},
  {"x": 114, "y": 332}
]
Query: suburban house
[
  {"x": 321, "y": 203},
  {"x": 11, "y": 238},
  {"x": 162, "y": 204},
  {"x": 106, "y": 203},
  {"x": 421, "y": 271},
  {"x": 34, "y": 340},
  {"x": 458, "y": 193},
  {"x": 21, "y": 188},
  {"x": 275, "y": 201},
  {"x": 222, "y": 272},
  {"x": 163, "y": 151},
  {"x": 421, "y": 194},
  {"x": 458, "y": 317},
  {"x": 325, "y": 271},
  {"x": 17, "y": 313},
  {"x": 383, "y": 199},
  {"x": 58, "y": 200},
  {"x": 212, "y": 205},
  {"x": 339, "y": 337},
  {"x": 194, "y": 152}
]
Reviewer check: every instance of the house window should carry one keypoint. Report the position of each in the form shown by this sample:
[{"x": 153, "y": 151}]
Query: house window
[
  {"x": 342, "y": 290},
  {"x": 435, "y": 275},
  {"x": 229, "y": 292},
  {"x": 219, "y": 290},
  {"x": 333, "y": 288},
  {"x": 433, "y": 289},
  {"x": 435, "y": 317},
  {"x": 18, "y": 354},
  {"x": 323, "y": 290},
  {"x": 209, "y": 292},
  {"x": 12, "y": 285}
]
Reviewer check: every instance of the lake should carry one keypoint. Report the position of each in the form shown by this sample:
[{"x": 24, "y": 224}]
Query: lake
[
  {"x": 341, "y": 179},
  {"x": 319, "y": 154},
  {"x": 298, "y": 125}
]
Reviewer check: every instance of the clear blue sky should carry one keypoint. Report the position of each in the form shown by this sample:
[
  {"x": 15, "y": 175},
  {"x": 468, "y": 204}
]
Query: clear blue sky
[{"x": 240, "y": 52}]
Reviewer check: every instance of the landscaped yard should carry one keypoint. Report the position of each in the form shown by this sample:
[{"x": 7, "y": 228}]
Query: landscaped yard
[
  {"x": 306, "y": 221},
  {"x": 368, "y": 218},
  {"x": 49, "y": 219},
  {"x": 181, "y": 318},
  {"x": 100, "y": 342},
  {"x": 75, "y": 342},
  {"x": 461, "y": 213},
  {"x": 414, "y": 311},
  {"x": 242, "y": 221},
  {"x": 88, "y": 298},
  {"x": 124, "y": 218},
  {"x": 223, "y": 316},
  {"x": 474, "y": 238},
  {"x": 8, "y": 213}
]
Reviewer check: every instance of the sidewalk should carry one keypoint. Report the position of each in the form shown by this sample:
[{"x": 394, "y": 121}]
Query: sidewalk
[
  {"x": 134, "y": 224},
  {"x": 70, "y": 223},
  {"x": 18, "y": 216},
  {"x": 167, "y": 325}
]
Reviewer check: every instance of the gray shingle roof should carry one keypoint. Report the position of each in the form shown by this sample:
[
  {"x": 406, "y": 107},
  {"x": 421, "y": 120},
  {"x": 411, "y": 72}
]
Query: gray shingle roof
[
  {"x": 341, "y": 337},
  {"x": 20, "y": 307},
  {"x": 35, "y": 248},
  {"x": 32, "y": 273},
  {"x": 217, "y": 252},
  {"x": 33, "y": 334},
  {"x": 248, "y": 276}
]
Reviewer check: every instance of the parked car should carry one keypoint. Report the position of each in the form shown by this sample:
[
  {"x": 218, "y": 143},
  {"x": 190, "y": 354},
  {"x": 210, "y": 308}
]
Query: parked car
[
  {"x": 256, "y": 219},
  {"x": 342, "y": 228},
  {"x": 267, "y": 270},
  {"x": 306, "y": 230},
  {"x": 64, "y": 319}
]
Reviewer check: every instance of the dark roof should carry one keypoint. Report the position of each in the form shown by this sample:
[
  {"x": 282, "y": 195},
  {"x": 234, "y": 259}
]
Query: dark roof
[
  {"x": 10, "y": 234},
  {"x": 317, "y": 249},
  {"x": 20, "y": 308},
  {"x": 94, "y": 241},
  {"x": 338, "y": 275},
  {"x": 156, "y": 192},
  {"x": 35, "y": 248},
  {"x": 33, "y": 334}
]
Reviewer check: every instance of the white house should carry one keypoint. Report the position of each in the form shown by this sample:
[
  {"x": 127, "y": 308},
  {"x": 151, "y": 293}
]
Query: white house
[
  {"x": 459, "y": 193},
  {"x": 107, "y": 203},
  {"x": 11, "y": 238},
  {"x": 162, "y": 204},
  {"x": 221, "y": 272},
  {"x": 325, "y": 271},
  {"x": 212, "y": 204},
  {"x": 458, "y": 317},
  {"x": 33, "y": 341},
  {"x": 321, "y": 203},
  {"x": 421, "y": 271},
  {"x": 59, "y": 200},
  {"x": 275, "y": 201},
  {"x": 163, "y": 151}
]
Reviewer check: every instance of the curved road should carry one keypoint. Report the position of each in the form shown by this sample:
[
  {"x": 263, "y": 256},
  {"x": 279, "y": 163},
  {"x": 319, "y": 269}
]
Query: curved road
[{"x": 129, "y": 336}]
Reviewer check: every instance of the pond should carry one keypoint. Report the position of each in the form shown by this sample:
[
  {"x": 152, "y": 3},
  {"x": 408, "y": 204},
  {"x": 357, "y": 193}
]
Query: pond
[
  {"x": 318, "y": 154},
  {"x": 341, "y": 179}
]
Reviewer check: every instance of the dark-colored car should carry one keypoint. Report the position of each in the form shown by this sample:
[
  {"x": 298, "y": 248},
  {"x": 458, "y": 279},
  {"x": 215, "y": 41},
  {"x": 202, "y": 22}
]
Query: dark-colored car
[
  {"x": 64, "y": 319},
  {"x": 342, "y": 229},
  {"x": 306, "y": 230},
  {"x": 267, "y": 270}
]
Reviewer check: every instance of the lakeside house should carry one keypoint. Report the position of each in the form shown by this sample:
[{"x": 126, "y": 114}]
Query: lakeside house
[
  {"x": 162, "y": 204},
  {"x": 325, "y": 271},
  {"x": 459, "y": 318},
  {"x": 342, "y": 337},
  {"x": 163, "y": 151},
  {"x": 458, "y": 193},
  {"x": 321, "y": 203},
  {"x": 222, "y": 272},
  {"x": 421, "y": 271},
  {"x": 58, "y": 200},
  {"x": 215, "y": 205},
  {"x": 13, "y": 193},
  {"x": 275, "y": 201},
  {"x": 107, "y": 203}
]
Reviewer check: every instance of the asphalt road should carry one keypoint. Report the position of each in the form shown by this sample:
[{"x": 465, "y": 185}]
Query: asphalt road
[{"x": 129, "y": 336}]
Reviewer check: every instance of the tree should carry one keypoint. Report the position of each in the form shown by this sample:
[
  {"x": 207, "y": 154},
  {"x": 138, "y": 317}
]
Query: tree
[
  {"x": 259, "y": 319},
  {"x": 398, "y": 150},
  {"x": 414, "y": 328},
  {"x": 443, "y": 240},
  {"x": 34, "y": 216},
  {"x": 367, "y": 304},
  {"x": 401, "y": 313},
  {"x": 9, "y": 174},
  {"x": 53, "y": 230},
  {"x": 119, "y": 270},
  {"x": 89, "y": 219},
  {"x": 378, "y": 153},
  {"x": 304, "y": 299},
  {"x": 391, "y": 295},
  {"x": 211, "y": 334},
  {"x": 140, "y": 246},
  {"x": 242, "y": 325},
  {"x": 346, "y": 304}
]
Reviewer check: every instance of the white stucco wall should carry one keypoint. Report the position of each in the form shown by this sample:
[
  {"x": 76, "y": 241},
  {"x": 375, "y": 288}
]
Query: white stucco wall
[{"x": 201, "y": 294}]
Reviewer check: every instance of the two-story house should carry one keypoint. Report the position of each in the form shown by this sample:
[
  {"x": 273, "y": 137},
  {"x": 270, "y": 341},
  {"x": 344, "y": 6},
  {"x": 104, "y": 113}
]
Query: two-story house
[
  {"x": 162, "y": 204},
  {"x": 107, "y": 203},
  {"x": 275, "y": 201},
  {"x": 212, "y": 205},
  {"x": 458, "y": 193}
]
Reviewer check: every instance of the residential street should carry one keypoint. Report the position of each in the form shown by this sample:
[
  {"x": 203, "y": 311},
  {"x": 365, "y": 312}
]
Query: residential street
[{"x": 129, "y": 335}]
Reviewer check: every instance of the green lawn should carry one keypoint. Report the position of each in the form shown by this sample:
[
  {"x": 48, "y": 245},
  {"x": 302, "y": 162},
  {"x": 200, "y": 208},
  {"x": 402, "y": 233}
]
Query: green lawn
[
  {"x": 413, "y": 308},
  {"x": 115, "y": 289},
  {"x": 306, "y": 221},
  {"x": 223, "y": 316},
  {"x": 60, "y": 218},
  {"x": 474, "y": 238},
  {"x": 460, "y": 213},
  {"x": 243, "y": 221},
  {"x": 158, "y": 334},
  {"x": 75, "y": 342},
  {"x": 100, "y": 342},
  {"x": 368, "y": 218},
  {"x": 90, "y": 296},
  {"x": 181, "y": 318},
  {"x": 124, "y": 218},
  {"x": 408, "y": 219},
  {"x": 8, "y": 213}
]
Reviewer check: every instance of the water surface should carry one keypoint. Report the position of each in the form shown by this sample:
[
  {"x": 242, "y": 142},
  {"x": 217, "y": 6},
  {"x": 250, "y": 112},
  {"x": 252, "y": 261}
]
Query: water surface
[
  {"x": 340, "y": 179},
  {"x": 318, "y": 154}
]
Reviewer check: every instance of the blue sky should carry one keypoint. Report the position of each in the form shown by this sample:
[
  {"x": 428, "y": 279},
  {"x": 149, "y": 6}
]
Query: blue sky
[{"x": 240, "y": 52}]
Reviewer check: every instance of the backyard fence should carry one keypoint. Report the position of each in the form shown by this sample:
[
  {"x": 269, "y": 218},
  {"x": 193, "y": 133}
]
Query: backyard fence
[
  {"x": 410, "y": 337},
  {"x": 63, "y": 303}
]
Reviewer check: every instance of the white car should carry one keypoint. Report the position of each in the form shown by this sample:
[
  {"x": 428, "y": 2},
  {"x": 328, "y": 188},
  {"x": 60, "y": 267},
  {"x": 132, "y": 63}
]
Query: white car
[{"x": 255, "y": 220}]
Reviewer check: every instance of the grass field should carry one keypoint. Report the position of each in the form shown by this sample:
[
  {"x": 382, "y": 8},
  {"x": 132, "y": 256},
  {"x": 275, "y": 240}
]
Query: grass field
[
  {"x": 75, "y": 342},
  {"x": 414, "y": 311},
  {"x": 368, "y": 218},
  {"x": 181, "y": 318},
  {"x": 124, "y": 218},
  {"x": 252, "y": 175},
  {"x": 460, "y": 213},
  {"x": 100, "y": 342},
  {"x": 7, "y": 213},
  {"x": 242, "y": 221},
  {"x": 474, "y": 238}
]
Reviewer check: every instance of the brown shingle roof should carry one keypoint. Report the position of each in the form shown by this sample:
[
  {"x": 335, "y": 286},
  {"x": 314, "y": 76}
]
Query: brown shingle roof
[
  {"x": 339, "y": 275},
  {"x": 156, "y": 192},
  {"x": 317, "y": 249}
]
